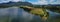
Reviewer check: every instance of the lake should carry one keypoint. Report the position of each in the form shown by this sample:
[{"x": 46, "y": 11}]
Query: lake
[{"x": 16, "y": 14}]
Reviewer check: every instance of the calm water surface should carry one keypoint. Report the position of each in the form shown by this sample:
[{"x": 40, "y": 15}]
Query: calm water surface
[{"x": 15, "y": 14}]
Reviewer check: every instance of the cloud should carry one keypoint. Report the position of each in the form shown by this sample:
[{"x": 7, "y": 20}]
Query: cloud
[
  {"x": 55, "y": 2},
  {"x": 51, "y": 1},
  {"x": 41, "y": 2},
  {"x": 45, "y": 2},
  {"x": 4, "y": 1},
  {"x": 17, "y": 0}
]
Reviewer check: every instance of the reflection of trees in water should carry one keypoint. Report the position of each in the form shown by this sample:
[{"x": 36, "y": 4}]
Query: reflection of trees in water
[
  {"x": 55, "y": 18},
  {"x": 55, "y": 9}
]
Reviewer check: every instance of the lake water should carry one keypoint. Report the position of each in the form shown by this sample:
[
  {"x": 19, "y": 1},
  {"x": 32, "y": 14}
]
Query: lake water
[{"x": 15, "y": 14}]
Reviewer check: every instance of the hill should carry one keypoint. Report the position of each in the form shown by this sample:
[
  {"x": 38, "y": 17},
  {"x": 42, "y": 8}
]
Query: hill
[{"x": 9, "y": 4}]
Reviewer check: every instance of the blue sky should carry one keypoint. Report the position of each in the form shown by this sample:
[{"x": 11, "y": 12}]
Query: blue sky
[{"x": 40, "y": 2}]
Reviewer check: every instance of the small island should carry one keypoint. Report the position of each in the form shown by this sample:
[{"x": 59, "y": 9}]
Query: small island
[{"x": 36, "y": 11}]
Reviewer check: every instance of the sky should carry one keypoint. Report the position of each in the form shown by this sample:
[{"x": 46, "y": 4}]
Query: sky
[{"x": 39, "y": 2}]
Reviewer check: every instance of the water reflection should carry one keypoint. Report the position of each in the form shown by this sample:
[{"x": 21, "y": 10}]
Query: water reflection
[{"x": 15, "y": 14}]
